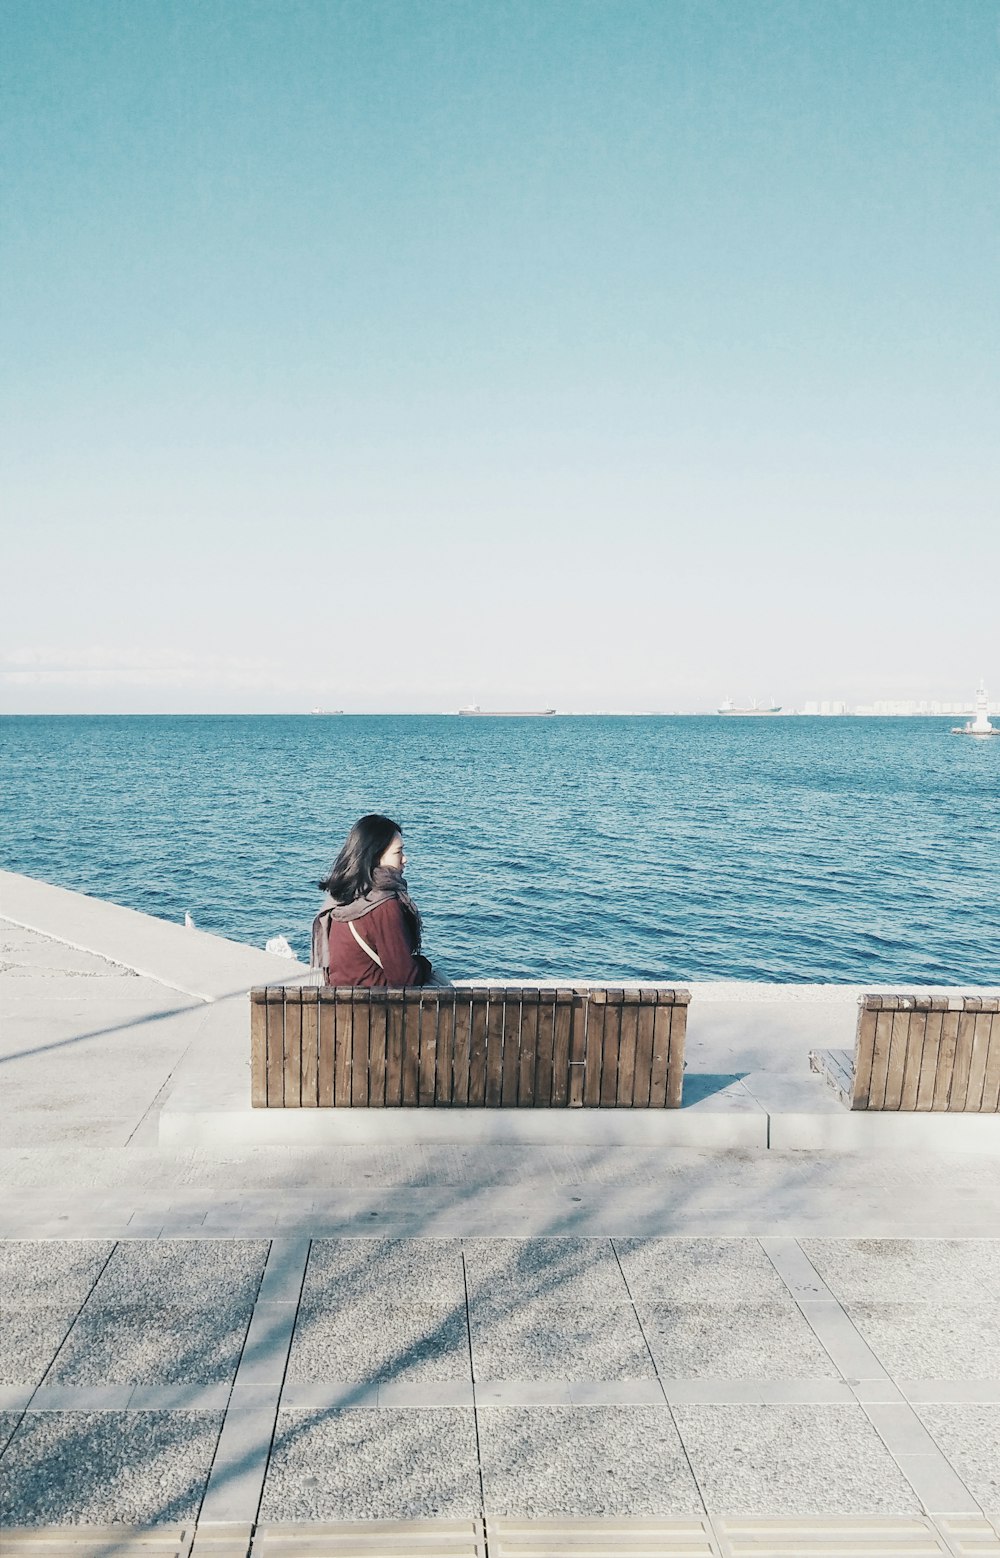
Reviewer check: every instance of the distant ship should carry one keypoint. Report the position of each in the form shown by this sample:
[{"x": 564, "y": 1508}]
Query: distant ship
[
  {"x": 729, "y": 707},
  {"x": 326, "y": 711},
  {"x": 980, "y": 724},
  {"x": 474, "y": 710}
]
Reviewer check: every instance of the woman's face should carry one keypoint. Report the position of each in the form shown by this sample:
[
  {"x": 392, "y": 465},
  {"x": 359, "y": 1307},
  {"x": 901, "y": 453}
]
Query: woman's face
[{"x": 394, "y": 857}]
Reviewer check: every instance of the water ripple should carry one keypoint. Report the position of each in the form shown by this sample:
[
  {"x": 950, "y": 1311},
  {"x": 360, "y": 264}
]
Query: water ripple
[{"x": 612, "y": 848}]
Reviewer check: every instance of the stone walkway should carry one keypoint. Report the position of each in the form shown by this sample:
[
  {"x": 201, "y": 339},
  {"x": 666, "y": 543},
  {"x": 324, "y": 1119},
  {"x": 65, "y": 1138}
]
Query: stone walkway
[{"x": 686, "y": 1349}]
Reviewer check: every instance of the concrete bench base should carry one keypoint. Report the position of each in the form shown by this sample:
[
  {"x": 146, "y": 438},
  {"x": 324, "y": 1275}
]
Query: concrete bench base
[{"x": 723, "y": 1121}]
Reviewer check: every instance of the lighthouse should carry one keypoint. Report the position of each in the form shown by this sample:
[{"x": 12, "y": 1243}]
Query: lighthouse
[{"x": 980, "y": 724}]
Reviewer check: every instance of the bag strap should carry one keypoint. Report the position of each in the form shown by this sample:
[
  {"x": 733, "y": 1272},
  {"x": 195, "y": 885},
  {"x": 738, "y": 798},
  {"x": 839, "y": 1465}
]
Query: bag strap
[{"x": 362, "y": 943}]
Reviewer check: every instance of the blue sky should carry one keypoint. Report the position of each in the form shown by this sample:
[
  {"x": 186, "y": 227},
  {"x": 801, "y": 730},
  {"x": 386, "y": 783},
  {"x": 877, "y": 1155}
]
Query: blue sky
[{"x": 397, "y": 355}]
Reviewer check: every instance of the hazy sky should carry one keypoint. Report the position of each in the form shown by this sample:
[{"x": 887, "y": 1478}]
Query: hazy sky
[{"x": 396, "y": 354}]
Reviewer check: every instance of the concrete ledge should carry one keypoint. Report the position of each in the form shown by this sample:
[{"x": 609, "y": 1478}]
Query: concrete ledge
[
  {"x": 733, "y": 1120},
  {"x": 872, "y": 1131},
  {"x": 193, "y": 961}
]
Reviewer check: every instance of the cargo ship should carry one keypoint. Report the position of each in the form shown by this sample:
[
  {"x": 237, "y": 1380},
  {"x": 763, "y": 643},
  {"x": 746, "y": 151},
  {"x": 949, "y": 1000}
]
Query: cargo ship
[
  {"x": 477, "y": 712},
  {"x": 729, "y": 707}
]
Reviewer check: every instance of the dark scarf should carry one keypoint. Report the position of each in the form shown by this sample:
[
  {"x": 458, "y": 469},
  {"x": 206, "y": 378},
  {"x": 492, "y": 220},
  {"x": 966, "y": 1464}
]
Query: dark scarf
[{"x": 386, "y": 884}]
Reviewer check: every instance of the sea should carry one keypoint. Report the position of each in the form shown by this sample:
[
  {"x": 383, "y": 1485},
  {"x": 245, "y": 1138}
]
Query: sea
[{"x": 593, "y": 847}]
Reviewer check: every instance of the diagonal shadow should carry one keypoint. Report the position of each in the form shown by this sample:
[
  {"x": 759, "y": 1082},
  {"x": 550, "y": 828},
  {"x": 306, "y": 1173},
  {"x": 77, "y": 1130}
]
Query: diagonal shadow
[
  {"x": 194, "y": 1005},
  {"x": 198, "y": 1359}
]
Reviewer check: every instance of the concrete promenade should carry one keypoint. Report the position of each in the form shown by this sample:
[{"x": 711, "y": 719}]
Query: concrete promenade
[{"x": 525, "y": 1347}]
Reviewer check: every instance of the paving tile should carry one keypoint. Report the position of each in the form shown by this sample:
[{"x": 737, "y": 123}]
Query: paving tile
[
  {"x": 545, "y": 1461},
  {"x": 324, "y": 1395},
  {"x": 662, "y": 1270},
  {"x": 56, "y": 1274},
  {"x": 14, "y": 1398},
  {"x": 425, "y": 1271},
  {"x": 756, "y": 1392},
  {"x": 81, "y": 1398},
  {"x": 908, "y": 1270},
  {"x": 969, "y": 1435},
  {"x": 427, "y": 1393},
  {"x": 615, "y": 1392},
  {"x": 8, "y": 1422},
  {"x": 524, "y": 1393},
  {"x": 914, "y": 1390},
  {"x": 182, "y": 1272},
  {"x": 237, "y": 1475},
  {"x": 543, "y": 1339},
  {"x": 265, "y": 1352},
  {"x": 734, "y": 1341},
  {"x": 363, "y": 1465},
  {"x": 899, "y": 1428},
  {"x": 152, "y": 1346},
  {"x": 936, "y": 1484},
  {"x": 513, "y": 1270},
  {"x": 103, "y": 1467},
  {"x": 285, "y": 1269},
  {"x": 29, "y": 1340},
  {"x": 791, "y": 1460},
  {"x": 932, "y": 1340},
  {"x": 794, "y": 1268},
  {"x": 371, "y": 1340},
  {"x": 845, "y": 1344},
  {"x": 183, "y": 1397}
]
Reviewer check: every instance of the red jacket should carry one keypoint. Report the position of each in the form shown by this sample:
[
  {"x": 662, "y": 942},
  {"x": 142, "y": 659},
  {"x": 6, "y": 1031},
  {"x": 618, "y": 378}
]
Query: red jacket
[{"x": 387, "y": 933}]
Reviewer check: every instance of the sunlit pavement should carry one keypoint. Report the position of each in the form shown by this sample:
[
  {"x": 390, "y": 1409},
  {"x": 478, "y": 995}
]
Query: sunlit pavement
[{"x": 267, "y": 1344}]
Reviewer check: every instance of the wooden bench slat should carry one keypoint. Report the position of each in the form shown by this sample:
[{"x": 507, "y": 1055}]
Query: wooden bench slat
[
  {"x": 896, "y": 1063},
  {"x": 293, "y": 1051},
  {"x": 462, "y": 1050},
  {"x": 377, "y": 1050},
  {"x": 880, "y": 1057},
  {"x": 544, "y": 1044},
  {"x": 628, "y": 1033},
  {"x": 275, "y": 1047},
  {"x": 493, "y": 1085},
  {"x": 326, "y": 1059},
  {"x": 991, "y": 1081},
  {"x": 865, "y": 1055},
  {"x": 309, "y": 1041},
  {"x": 395, "y": 1018},
  {"x": 479, "y": 1011},
  {"x": 577, "y": 1051},
  {"x": 427, "y": 1030},
  {"x": 527, "y": 1046},
  {"x": 258, "y": 1050},
  {"x": 644, "y": 1049},
  {"x": 912, "y": 1041},
  {"x": 594, "y": 1052},
  {"x": 360, "y": 1010},
  {"x": 343, "y": 1056},
  {"x": 978, "y": 1061},
  {"x": 675, "y": 1059},
  {"x": 929, "y": 1059},
  {"x": 945, "y": 1059},
  {"x": 511, "y": 1050},
  {"x": 445, "y": 1049},
  {"x": 612, "y": 1035},
  {"x": 562, "y": 1033},
  {"x": 958, "y": 1090}
]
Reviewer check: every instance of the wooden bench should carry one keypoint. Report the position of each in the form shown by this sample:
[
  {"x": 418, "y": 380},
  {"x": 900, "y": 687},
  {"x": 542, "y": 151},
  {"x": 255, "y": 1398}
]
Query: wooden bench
[
  {"x": 919, "y": 1052},
  {"x": 478, "y": 1047}
]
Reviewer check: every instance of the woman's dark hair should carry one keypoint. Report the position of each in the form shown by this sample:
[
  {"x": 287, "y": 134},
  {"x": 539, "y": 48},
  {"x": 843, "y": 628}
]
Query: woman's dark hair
[{"x": 351, "y": 873}]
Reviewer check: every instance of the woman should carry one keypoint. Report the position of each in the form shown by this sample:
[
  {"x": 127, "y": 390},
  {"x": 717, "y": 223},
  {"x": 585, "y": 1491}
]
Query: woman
[{"x": 368, "y": 930}]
